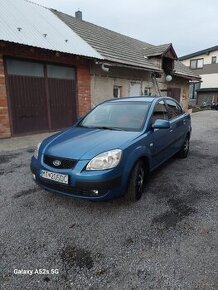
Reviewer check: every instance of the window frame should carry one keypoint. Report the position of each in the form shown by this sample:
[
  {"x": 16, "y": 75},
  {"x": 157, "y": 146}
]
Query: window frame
[
  {"x": 178, "y": 105},
  {"x": 212, "y": 59},
  {"x": 167, "y": 113},
  {"x": 119, "y": 88},
  {"x": 197, "y": 61}
]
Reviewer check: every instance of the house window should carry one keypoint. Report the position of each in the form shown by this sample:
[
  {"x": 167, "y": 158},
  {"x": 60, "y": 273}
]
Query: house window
[
  {"x": 213, "y": 59},
  {"x": 146, "y": 91},
  {"x": 196, "y": 63},
  {"x": 117, "y": 91},
  {"x": 24, "y": 68}
]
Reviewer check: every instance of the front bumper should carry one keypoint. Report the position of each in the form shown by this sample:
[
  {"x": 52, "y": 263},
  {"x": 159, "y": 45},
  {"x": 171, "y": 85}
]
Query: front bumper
[{"x": 90, "y": 185}]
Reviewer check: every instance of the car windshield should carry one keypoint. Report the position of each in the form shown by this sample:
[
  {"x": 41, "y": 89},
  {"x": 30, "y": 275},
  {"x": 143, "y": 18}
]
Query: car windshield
[{"x": 123, "y": 115}]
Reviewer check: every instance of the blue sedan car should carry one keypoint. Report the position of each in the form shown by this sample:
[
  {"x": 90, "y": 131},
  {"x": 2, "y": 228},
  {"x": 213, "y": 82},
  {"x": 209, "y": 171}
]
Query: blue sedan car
[{"x": 109, "y": 152}]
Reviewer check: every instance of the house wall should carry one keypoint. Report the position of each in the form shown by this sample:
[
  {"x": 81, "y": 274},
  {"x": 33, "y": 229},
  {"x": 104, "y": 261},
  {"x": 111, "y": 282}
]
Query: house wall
[
  {"x": 82, "y": 74},
  {"x": 207, "y": 58},
  {"x": 209, "y": 80},
  {"x": 209, "y": 71},
  {"x": 102, "y": 83}
]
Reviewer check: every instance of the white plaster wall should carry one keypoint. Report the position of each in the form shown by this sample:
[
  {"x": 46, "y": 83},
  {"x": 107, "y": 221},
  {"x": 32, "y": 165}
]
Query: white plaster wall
[{"x": 209, "y": 81}]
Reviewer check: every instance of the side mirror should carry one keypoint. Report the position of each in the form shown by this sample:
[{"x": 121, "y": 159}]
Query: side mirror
[{"x": 161, "y": 124}]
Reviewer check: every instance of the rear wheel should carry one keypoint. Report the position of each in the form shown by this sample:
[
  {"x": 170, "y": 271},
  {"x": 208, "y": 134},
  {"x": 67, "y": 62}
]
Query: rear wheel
[
  {"x": 136, "y": 182},
  {"x": 183, "y": 153}
]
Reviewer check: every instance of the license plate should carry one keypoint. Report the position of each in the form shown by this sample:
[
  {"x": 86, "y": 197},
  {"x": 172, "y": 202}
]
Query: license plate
[{"x": 62, "y": 178}]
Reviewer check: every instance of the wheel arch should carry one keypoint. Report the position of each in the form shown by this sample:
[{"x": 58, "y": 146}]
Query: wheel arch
[{"x": 128, "y": 173}]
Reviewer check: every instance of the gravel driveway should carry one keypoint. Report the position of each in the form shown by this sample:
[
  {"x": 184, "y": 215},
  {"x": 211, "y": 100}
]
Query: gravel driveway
[{"x": 167, "y": 240}]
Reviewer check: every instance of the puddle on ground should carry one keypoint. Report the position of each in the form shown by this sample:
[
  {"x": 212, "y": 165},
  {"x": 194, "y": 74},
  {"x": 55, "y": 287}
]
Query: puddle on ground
[{"x": 178, "y": 211}]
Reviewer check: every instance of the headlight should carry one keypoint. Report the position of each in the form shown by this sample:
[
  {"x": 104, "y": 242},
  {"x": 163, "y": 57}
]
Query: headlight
[
  {"x": 37, "y": 151},
  {"x": 105, "y": 160}
]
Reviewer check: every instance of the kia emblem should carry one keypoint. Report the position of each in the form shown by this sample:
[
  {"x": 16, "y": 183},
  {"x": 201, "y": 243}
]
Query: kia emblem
[{"x": 57, "y": 162}]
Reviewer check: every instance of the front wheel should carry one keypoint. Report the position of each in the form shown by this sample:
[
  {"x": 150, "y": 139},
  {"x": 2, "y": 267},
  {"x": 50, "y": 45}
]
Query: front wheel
[
  {"x": 183, "y": 153},
  {"x": 136, "y": 182}
]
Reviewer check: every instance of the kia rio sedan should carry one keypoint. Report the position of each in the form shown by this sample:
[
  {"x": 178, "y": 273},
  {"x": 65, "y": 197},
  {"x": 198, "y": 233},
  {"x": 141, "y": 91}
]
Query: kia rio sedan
[{"x": 109, "y": 152}]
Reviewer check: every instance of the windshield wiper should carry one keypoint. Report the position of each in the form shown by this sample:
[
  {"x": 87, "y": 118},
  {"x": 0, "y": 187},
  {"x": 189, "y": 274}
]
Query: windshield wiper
[{"x": 107, "y": 128}]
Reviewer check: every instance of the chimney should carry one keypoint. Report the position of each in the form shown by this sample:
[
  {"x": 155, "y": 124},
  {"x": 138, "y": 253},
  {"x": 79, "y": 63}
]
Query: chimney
[{"x": 78, "y": 15}]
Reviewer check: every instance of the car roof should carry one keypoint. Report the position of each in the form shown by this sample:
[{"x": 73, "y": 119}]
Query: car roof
[{"x": 136, "y": 99}]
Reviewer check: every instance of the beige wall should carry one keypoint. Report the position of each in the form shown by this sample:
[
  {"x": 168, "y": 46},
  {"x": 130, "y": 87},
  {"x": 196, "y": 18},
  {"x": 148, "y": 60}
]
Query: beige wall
[
  {"x": 209, "y": 77},
  {"x": 207, "y": 58},
  {"x": 209, "y": 72},
  {"x": 102, "y": 83},
  {"x": 209, "y": 80}
]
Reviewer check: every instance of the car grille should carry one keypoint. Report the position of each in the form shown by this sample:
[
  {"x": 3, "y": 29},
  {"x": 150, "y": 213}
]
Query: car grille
[
  {"x": 64, "y": 163},
  {"x": 68, "y": 189}
]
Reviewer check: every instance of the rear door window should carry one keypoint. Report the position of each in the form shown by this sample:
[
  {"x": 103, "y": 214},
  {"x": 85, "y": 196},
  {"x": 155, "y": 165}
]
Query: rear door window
[
  {"x": 160, "y": 112},
  {"x": 174, "y": 109}
]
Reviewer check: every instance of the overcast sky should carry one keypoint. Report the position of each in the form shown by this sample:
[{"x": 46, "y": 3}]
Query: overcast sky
[{"x": 191, "y": 25}]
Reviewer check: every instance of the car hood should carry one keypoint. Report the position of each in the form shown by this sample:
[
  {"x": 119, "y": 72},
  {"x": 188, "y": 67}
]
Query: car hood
[{"x": 85, "y": 143}]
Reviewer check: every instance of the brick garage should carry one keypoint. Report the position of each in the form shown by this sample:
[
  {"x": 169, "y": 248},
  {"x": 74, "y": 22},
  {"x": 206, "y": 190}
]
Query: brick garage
[
  {"x": 4, "y": 114},
  {"x": 82, "y": 80}
]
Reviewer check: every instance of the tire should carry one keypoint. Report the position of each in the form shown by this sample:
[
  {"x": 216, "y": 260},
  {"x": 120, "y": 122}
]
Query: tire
[
  {"x": 183, "y": 153},
  {"x": 136, "y": 182}
]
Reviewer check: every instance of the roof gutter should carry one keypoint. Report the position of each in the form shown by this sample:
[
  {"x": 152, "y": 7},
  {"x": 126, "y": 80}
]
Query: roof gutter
[
  {"x": 189, "y": 77},
  {"x": 106, "y": 66}
]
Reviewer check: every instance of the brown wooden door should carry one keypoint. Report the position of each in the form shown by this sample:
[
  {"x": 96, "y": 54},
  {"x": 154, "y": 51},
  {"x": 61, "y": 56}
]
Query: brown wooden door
[
  {"x": 42, "y": 96},
  {"x": 174, "y": 93},
  {"x": 28, "y": 104},
  {"x": 62, "y": 95}
]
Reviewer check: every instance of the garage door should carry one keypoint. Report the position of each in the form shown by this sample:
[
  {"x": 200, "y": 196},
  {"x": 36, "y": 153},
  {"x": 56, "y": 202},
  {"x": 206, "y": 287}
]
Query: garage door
[{"x": 42, "y": 96}]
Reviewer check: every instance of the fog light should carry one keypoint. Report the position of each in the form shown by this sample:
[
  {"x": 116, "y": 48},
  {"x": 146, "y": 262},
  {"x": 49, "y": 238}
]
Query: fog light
[
  {"x": 95, "y": 191},
  {"x": 34, "y": 177}
]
